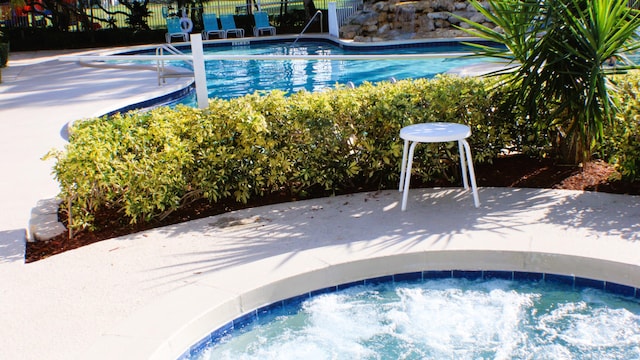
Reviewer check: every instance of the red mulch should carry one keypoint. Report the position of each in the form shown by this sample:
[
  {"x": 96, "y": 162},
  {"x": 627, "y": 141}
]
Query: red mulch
[{"x": 511, "y": 171}]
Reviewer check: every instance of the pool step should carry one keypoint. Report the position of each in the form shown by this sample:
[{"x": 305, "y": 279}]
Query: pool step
[{"x": 162, "y": 75}]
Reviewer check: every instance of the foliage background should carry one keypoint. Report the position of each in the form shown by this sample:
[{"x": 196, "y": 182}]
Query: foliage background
[{"x": 115, "y": 25}]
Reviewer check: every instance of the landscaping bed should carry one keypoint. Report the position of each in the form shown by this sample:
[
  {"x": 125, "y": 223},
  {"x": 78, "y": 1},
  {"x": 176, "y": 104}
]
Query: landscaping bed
[{"x": 511, "y": 171}]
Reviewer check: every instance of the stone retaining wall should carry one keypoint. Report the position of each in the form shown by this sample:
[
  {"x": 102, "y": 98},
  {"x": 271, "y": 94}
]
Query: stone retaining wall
[{"x": 397, "y": 20}]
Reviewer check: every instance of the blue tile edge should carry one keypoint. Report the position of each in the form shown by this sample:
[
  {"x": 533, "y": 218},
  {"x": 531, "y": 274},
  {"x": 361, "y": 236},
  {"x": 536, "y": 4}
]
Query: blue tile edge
[
  {"x": 570, "y": 280},
  {"x": 157, "y": 101}
]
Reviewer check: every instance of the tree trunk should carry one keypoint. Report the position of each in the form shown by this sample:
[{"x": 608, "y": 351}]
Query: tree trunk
[
  {"x": 571, "y": 149},
  {"x": 309, "y": 9}
]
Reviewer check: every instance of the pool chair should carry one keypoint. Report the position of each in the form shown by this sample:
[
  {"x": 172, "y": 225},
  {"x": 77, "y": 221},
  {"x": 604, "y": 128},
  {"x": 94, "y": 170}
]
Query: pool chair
[
  {"x": 174, "y": 30},
  {"x": 229, "y": 26},
  {"x": 210, "y": 22},
  {"x": 262, "y": 24}
]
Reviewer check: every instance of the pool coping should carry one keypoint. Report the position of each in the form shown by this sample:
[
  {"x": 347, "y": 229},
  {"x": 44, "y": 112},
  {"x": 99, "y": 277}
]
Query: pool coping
[{"x": 523, "y": 241}]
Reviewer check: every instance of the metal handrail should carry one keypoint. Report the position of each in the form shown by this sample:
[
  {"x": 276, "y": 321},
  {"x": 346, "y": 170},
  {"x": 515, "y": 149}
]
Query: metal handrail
[
  {"x": 171, "y": 50},
  {"x": 160, "y": 68},
  {"x": 309, "y": 24}
]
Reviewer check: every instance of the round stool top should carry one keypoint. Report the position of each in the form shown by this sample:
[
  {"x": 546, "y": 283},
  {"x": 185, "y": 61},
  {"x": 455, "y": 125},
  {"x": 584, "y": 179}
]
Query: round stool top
[{"x": 435, "y": 132}]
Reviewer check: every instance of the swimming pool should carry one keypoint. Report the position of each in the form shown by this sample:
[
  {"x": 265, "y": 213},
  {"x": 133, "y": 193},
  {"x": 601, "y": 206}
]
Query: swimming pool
[
  {"x": 233, "y": 78},
  {"x": 449, "y": 318}
]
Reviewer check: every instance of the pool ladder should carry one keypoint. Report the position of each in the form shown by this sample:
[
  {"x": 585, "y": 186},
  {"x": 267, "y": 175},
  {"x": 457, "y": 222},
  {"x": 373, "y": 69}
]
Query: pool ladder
[
  {"x": 309, "y": 24},
  {"x": 164, "y": 72}
]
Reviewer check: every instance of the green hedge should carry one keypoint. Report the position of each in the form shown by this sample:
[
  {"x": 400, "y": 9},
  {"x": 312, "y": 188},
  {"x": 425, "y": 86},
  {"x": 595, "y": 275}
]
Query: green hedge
[
  {"x": 149, "y": 164},
  {"x": 621, "y": 145},
  {"x": 146, "y": 165}
]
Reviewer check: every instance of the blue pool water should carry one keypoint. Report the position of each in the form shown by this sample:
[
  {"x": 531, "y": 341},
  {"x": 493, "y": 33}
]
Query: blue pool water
[
  {"x": 232, "y": 78},
  {"x": 444, "y": 319}
]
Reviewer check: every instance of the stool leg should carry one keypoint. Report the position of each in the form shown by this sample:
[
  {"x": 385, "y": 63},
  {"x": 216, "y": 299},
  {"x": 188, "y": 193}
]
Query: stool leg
[
  {"x": 463, "y": 166},
  {"x": 403, "y": 168},
  {"x": 405, "y": 193},
  {"x": 472, "y": 174}
]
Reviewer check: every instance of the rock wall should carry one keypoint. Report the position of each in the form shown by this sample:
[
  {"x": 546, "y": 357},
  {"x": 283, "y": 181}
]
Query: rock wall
[{"x": 396, "y": 20}]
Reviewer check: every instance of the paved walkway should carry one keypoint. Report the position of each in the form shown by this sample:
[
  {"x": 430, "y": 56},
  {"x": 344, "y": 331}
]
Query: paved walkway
[
  {"x": 39, "y": 95},
  {"x": 76, "y": 302}
]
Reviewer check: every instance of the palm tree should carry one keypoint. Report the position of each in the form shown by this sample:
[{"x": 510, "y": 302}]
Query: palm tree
[{"x": 562, "y": 50}]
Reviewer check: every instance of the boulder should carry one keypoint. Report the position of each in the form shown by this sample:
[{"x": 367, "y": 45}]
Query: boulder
[
  {"x": 349, "y": 31},
  {"x": 479, "y": 18},
  {"x": 360, "y": 38},
  {"x": 423, "y": 6},
  {"x": 397, "y": 20},
  {"x": 460, "y": 6},
  {"x": 384, "y": 29},
  {"x": 381, "y": 6},
  {"x": 442, "y": 24},
  {"x": 443, "y": 5},
  {"x": 370, "y": 28},
  {"x": 438, "y": 15},
  {"x": 362, "y": 17},
  {"x": 426, "y": 24}
]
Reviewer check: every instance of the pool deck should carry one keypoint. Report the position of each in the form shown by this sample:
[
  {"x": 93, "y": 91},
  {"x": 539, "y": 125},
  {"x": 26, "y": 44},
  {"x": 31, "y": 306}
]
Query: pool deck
[{"x": 131, "y": 296}]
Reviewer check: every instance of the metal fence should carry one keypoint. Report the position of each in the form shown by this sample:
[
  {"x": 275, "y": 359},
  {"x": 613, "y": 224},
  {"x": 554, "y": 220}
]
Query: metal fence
[
  {"x": 346, "y": 8},
  {"x": 103, "y": 14}
]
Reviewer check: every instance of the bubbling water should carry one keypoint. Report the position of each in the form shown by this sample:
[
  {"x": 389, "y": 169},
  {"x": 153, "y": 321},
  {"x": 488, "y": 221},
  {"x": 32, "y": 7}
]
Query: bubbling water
[{"x": 450, "y": 319}]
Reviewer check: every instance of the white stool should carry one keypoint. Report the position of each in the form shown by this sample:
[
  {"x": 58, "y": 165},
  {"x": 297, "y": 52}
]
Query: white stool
[{"x": 433, "y": 133}]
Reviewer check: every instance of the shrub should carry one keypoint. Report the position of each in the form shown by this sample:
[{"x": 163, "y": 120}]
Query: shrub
[
  {"x": 621, "y": 145},
  {"x": 146, "y": 165}
]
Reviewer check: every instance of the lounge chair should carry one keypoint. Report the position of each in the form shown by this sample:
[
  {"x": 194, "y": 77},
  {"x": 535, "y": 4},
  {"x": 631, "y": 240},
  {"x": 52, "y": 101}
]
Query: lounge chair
[
  {"x": 174, "y": 29},
  {"x": 229, "y": 26},
  {"x": 262, "y": 24},
  {"x": 210, "y": 22}
]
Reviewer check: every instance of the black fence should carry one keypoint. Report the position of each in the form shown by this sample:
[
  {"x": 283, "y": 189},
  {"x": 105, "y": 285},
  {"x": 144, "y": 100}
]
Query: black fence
[{"x": 109, "y": 14}]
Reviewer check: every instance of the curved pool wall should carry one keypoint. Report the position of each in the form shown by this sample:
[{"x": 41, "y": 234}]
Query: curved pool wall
[
  {"x": 167, "y": 98},
  {"x": 573, "y": 281},
  {"x": 286, "y": 250}
]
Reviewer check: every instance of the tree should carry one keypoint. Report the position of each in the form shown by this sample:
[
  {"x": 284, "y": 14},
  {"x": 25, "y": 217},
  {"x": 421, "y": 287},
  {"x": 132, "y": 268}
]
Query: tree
[
  {"x": 562, "y": 52},
  {"x": 138, "y": 13},
  {"x": 309, "y": 9}
]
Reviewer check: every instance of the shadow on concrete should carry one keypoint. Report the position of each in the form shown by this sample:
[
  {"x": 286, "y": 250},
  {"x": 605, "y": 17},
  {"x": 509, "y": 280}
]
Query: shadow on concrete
[
  {"x": 12, "y": 246},
  {"x": 434, "y": 215}
]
